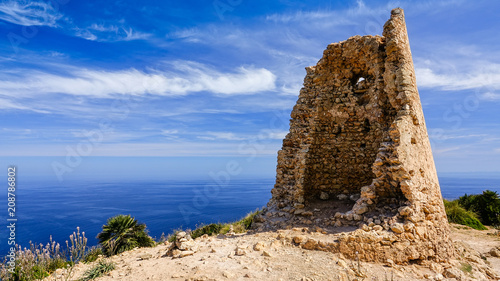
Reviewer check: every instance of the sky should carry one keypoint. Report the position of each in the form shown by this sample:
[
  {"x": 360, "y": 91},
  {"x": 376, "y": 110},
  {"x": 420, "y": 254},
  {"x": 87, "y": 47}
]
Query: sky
[{"x": 165, "y": 89}]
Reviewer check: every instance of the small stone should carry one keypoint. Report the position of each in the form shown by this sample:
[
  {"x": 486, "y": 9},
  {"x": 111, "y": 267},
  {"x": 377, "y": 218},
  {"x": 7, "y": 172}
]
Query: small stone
[
  {"x": 266, "y": 254},
  {"x": 397, "y": 228},
  {"x": 365, "y": 227},
  {"x": 439, "y": 276},
  {"x": 240, "y": 252},
  {"x": 324, "y": 196},
  {"x": 409, "y": 226},
  {"x": 307, "y": 214},
  {"x": 405, "y": 211},
  {"x": 186, "y": 253},
  {"x": 377, "y": 227},
  {"x": 494, "y": 252},
  {"x": 299, "y": 206},
  {"x": 342, "y": 263},
  {"x": 299, "y": 212},
  {"x": 227, "y": 274},
  {"x": 175, "y": 252},
  {"x": 453, "y": 273},
  {"x": 361, "y": 209},
  {"x": 146, "y": 256},
  {"x": 342, "y": 197},
  {"x": 298, "y": 239},
  {"x": 259, "y": 246}
]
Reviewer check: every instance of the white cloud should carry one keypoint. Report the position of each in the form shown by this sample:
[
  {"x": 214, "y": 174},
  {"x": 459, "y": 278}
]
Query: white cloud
[
  {"x": 262, "y": 135},
  {"x": 490, "y": 96},
  {"x": 7, "y": 104},
  {"x": 169, "y": 132},
  {"x": 136, "y": 149},
  {"x": 273, "y": 134},
  {"x": 102, "y": 32},
  {"x": 221, "y": 136},
  {"x": 135, "y": 35},
  {"x": 486, "y": 77},
  {"x": 187, "y": 77},
  {"x": 29, "y": 13},
  {"x": 446, "y": 150}
]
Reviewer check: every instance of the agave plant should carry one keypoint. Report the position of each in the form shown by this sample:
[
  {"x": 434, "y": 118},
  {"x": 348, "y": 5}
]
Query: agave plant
[{"x": 123, "y": 233}]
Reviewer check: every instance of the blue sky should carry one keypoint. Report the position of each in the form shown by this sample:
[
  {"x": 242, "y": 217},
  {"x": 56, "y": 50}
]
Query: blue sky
[{"x": 98, "y": 87}]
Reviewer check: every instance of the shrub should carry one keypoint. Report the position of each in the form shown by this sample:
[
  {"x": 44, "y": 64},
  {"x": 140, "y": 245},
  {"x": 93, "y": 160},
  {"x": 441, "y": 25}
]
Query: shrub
[
  {"x": 486, "y": 205},
  {"x": 38, "y": 261},
  {"x": 123, "y": 233},
  {"x": 211, "y": 229},
  {"x": 218, "y": 228},
  {"x": 98, "y": 270},
  {"x": 92, "y": 254},
  {"x": 457, "y": 214}
]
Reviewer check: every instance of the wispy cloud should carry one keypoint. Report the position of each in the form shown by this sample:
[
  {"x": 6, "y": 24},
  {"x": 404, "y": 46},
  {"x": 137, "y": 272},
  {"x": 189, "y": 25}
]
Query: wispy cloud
[
  {"x": 7, "y": 104},
  {"x": 102, "y": 32},
  {"x": 262, "y": 135},
  {"x": 488, "y": 77},
  {"x": 221, "y": 136},
  {"x": 185, "y": 78},
  {"x": 490, "y": 96},
  {"x": 138, "y": 149},
  {"x": 29, "y": 13}
]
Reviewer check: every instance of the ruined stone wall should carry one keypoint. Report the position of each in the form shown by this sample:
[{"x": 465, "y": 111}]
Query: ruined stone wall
[{"x": 358, "y": 154}]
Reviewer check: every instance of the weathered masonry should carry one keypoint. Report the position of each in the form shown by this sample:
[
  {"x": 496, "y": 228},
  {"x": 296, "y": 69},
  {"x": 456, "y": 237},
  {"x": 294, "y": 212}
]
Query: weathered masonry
[{"x": 357, "y": 160}]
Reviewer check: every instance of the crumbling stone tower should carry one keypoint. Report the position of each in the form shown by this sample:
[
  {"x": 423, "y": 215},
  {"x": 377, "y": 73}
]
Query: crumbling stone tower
[{"x": 357, "y": 160}]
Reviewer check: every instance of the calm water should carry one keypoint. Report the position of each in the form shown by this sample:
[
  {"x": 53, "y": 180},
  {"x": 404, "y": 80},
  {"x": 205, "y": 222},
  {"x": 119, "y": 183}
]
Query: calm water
[{"x": 45, "y": 210}]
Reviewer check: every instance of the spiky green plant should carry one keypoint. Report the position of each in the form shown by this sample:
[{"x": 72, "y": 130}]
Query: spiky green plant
[
  {"x": 98, "y": 270},
  {"x": 123, "y": 233}
]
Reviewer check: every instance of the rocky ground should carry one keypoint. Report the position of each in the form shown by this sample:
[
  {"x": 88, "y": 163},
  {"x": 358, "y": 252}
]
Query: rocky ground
[{"x": 284, "y": 255}]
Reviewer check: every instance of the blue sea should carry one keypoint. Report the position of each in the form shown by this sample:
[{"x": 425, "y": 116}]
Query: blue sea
[{"x": 45, "y": 210}]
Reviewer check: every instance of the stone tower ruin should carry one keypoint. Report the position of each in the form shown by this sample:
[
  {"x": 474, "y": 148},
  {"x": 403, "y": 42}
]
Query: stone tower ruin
[{"x": 357, "y": 160}]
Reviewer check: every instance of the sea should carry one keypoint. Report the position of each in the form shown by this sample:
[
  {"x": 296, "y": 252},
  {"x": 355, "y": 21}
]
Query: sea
[{"x": 45, "y": 210}]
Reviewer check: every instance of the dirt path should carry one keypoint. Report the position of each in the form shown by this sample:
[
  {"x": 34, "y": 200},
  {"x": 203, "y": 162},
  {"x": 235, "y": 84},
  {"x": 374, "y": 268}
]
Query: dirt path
[{"x": 268, "y": 256}]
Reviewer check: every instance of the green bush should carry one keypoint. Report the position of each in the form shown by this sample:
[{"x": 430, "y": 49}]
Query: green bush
[
  {"x": 222, "y": 228},
  {"x": 211, "y": 229},
  {"x": 92, "y": 254},
  {"x": 123, "y": 233},
  {"x": 457, "y": 214},
  {"x": 486, "y": 205}
]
